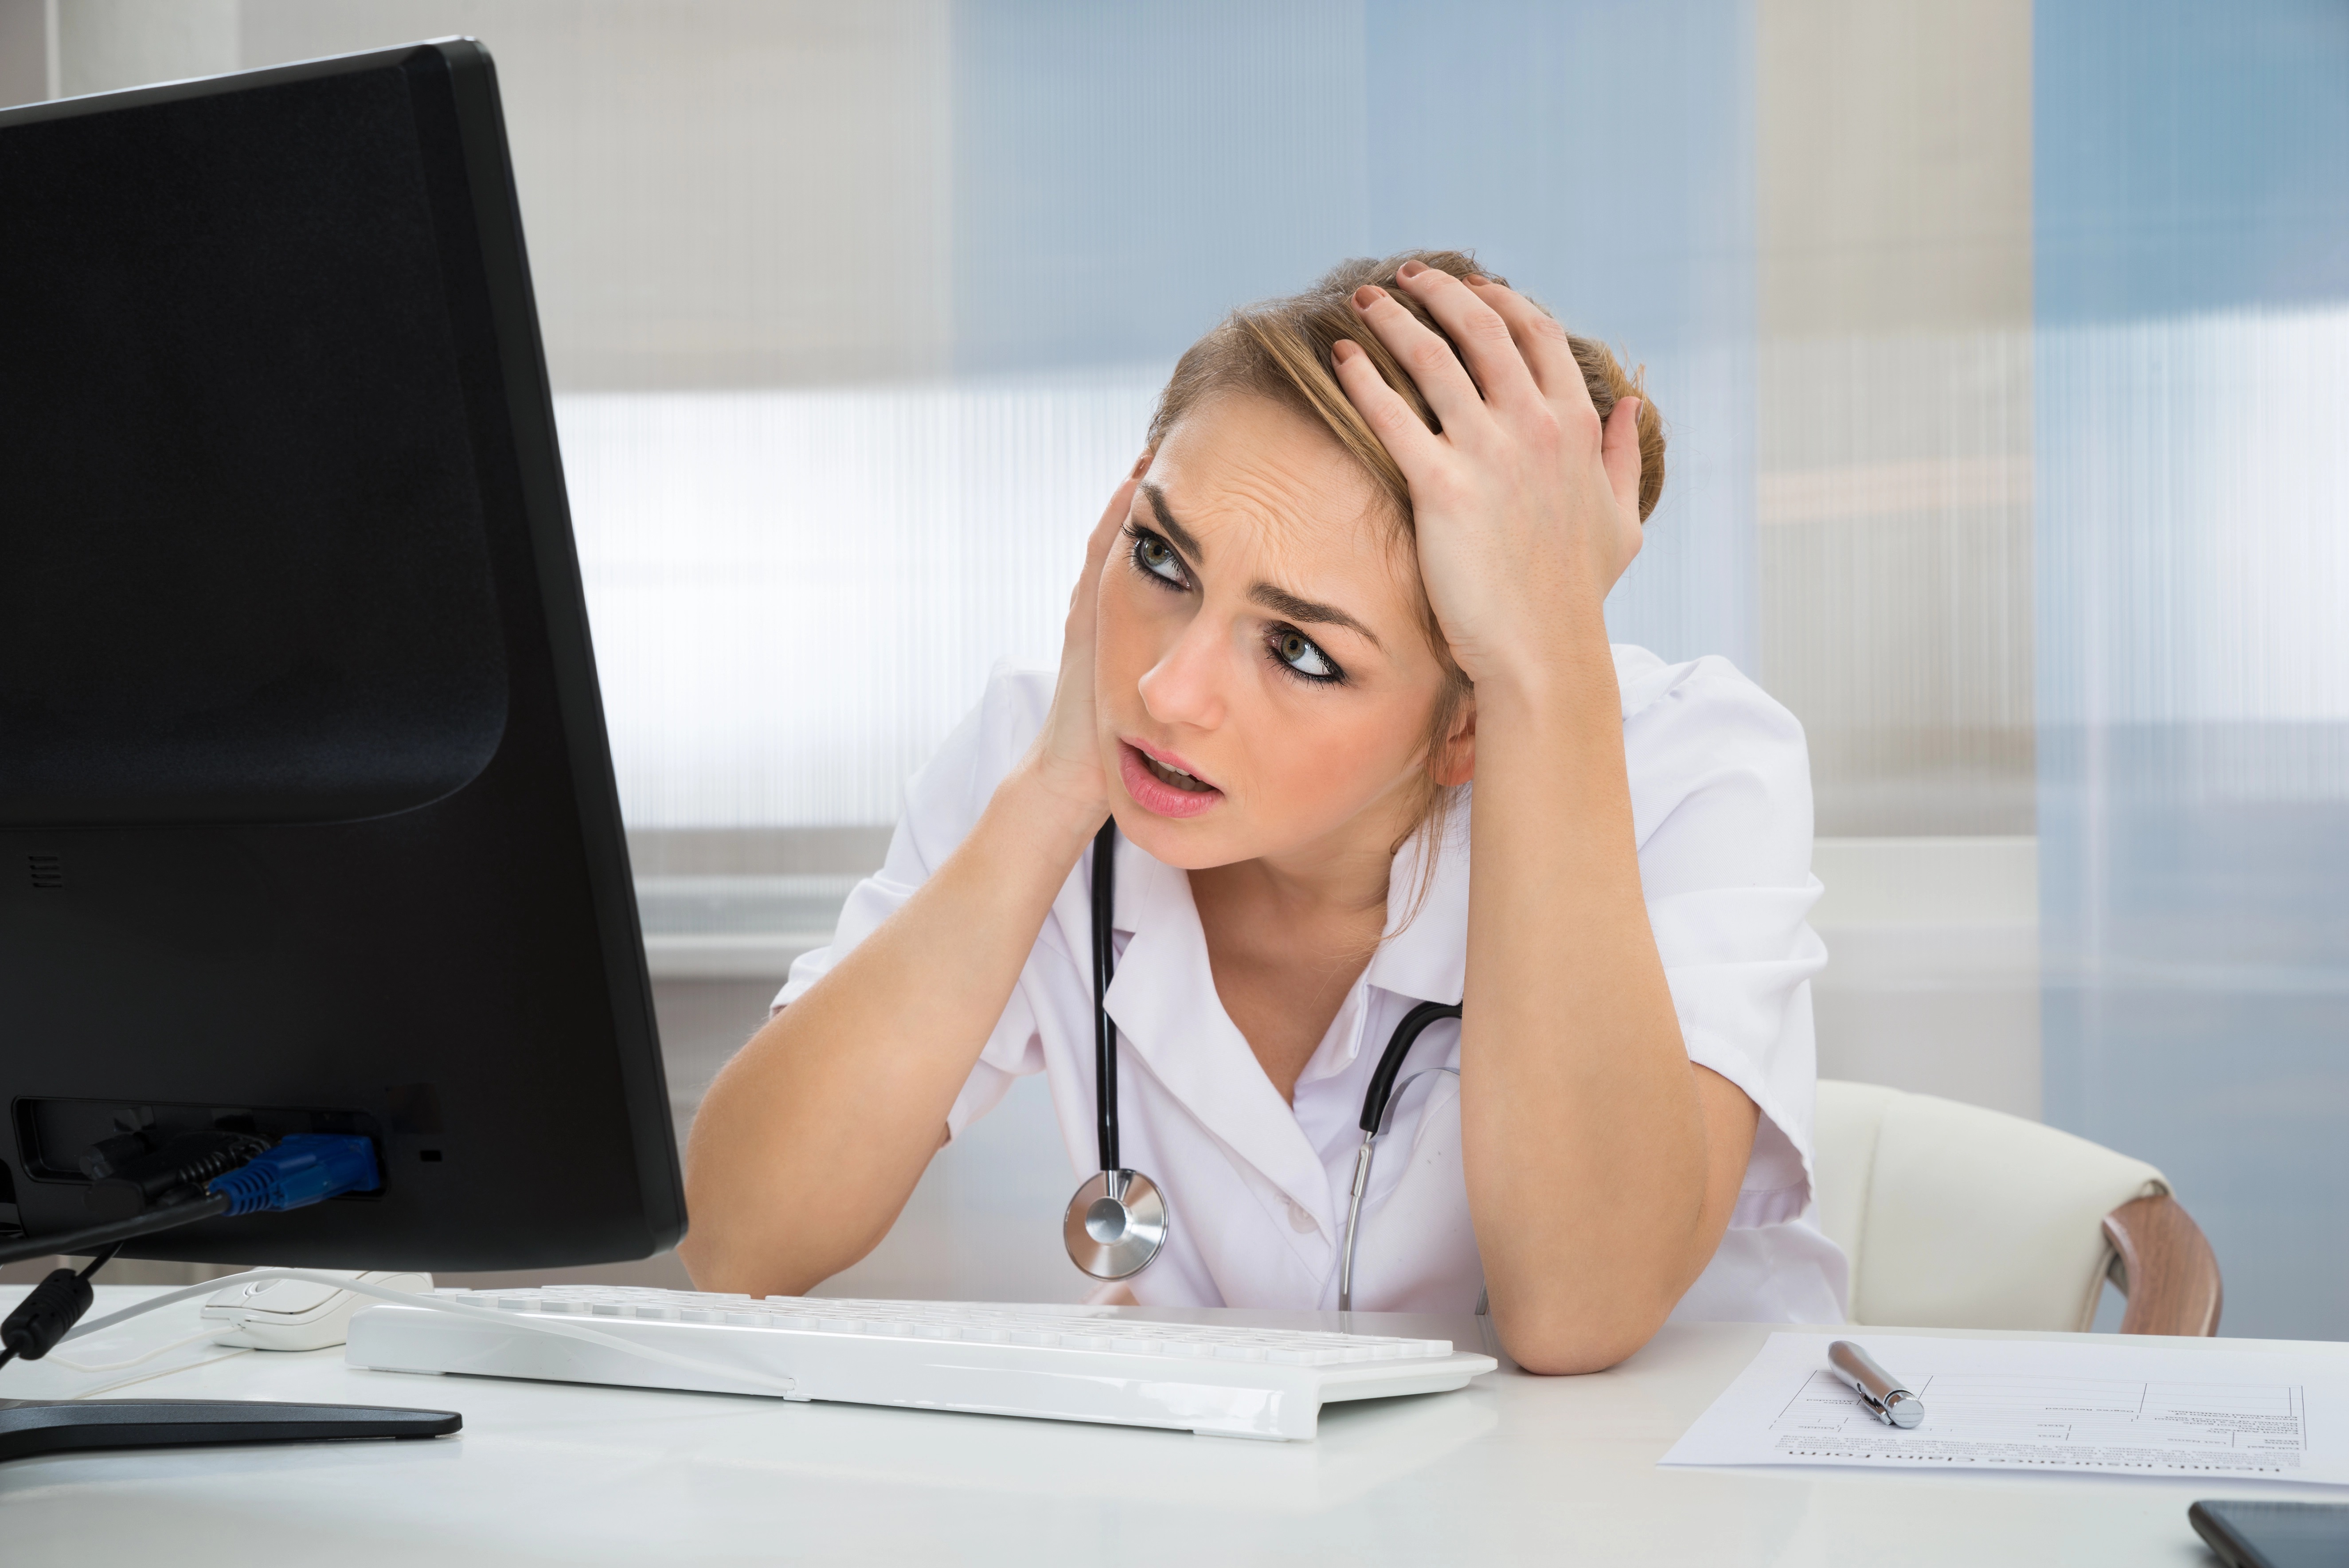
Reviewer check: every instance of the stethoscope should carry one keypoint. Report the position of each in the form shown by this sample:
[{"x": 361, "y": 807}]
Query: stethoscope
[{"x": 1117, "y": 1222}]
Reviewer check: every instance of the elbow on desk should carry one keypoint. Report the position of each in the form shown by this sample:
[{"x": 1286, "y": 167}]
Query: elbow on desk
[
  {"x": 705, "y": 1265},
  {"x": 1545, "y": 1359},
  {"x": 712, "y": 1270},
  {"x": 1555, "y": 1343},
  {"x": 730, "y": 1250}
]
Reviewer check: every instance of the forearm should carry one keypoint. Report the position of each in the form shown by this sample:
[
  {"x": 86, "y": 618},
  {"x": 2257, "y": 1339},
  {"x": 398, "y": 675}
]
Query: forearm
[
  {"x": 1586, "y": 1137},
  {"x": 809, "y": 1143},
  {"x": 1600, "y": 1164}
]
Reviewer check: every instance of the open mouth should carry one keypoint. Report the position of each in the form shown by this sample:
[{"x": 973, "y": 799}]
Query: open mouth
[
  {"x": 1175, "y": 776},
  {"x": 1160, "y": 787}
]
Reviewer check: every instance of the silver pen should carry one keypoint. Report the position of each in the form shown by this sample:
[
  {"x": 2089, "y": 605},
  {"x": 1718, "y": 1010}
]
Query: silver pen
[{"x": 1891, "y": 1404}]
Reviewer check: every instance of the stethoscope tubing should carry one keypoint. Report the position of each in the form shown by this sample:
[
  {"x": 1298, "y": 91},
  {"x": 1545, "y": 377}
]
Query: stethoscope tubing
[
  {"x": 1104, "y": 961},
  {"x": 1376, "y": 1102},
  {"x": 1376, "y": 1099}
]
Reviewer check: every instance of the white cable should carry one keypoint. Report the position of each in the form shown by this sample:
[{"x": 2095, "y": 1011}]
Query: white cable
[
  {"x": 159, "y": 1372},
  {"x": 209, "y": 1288},
  {"x": 456, "y": 1309},
  {"x": 209, "y": 1331}
]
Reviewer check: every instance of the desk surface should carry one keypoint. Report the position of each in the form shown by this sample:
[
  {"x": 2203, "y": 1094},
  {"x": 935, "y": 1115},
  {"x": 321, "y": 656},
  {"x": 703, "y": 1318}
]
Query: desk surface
[{"x": 1514, "y": 1468}]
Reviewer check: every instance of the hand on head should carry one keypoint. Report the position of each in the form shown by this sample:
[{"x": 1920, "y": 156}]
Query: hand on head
[
  {"x": 1526, "y": 504},
  {"x": 1341, "y": 521}
]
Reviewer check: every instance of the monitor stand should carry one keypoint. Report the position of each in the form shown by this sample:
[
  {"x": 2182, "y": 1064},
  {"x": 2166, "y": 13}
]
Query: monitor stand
[{"x": 61, "y": 1425}]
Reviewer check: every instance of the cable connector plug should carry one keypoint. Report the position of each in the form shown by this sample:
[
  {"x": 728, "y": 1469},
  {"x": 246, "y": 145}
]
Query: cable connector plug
[
  {"x": 126, "y": 1179},
  {"x": 304, "y": 1167}
]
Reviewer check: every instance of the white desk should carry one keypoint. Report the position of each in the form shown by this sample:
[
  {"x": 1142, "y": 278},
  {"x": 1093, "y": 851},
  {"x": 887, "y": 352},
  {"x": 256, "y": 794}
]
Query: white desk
[{"x": 1515, "y": 1468}]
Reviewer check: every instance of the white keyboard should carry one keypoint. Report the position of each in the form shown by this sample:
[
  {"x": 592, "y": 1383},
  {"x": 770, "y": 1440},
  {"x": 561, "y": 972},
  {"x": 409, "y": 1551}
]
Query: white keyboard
[{"x": 1063, "y": 1363}]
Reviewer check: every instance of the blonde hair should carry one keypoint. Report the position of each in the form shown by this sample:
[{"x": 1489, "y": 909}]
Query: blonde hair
[{"x": 1280, "y": 349}]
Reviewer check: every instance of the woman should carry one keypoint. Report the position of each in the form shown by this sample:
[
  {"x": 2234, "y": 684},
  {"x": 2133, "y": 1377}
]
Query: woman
[{"x": 1360, "y": 565}]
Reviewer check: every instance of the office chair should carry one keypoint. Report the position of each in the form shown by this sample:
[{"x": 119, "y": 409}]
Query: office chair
[{"x": 1957, "y": 1217}]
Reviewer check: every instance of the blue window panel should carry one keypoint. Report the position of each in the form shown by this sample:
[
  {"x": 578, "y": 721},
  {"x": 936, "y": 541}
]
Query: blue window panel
[{"x": 2191, "y": 202}]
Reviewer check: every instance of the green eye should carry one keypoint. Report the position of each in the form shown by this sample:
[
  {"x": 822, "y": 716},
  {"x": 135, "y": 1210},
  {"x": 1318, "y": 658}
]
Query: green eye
[
  {"x": 1296, "y": 651},
  {"x": 1158, "y": 558}
]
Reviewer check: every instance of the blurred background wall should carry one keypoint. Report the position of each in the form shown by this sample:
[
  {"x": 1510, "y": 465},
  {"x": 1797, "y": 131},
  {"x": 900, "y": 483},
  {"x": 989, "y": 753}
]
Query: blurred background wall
[
  {"x": 2191, "y": 346},
  {"x": 2004, "y": 348}
]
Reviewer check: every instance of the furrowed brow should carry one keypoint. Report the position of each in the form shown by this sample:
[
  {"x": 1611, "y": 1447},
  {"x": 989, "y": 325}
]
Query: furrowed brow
[
  {"x": 1176, "y": 534},
  {"x": 1281, "y": 601}
]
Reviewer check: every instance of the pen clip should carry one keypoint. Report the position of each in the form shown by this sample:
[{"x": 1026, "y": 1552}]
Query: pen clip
[{"x": 1865, "y": 1379}]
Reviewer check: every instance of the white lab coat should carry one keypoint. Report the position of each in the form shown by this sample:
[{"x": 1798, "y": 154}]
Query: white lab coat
[{"x": 1721, "y": 809}]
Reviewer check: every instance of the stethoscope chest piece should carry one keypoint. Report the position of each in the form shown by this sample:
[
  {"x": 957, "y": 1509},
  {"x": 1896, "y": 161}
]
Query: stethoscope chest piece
[{"x": 1115, "y": 1224}]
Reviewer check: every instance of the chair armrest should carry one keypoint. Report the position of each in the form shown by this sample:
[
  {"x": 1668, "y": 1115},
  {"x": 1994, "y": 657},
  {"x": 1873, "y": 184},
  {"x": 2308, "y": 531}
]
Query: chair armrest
[{"x": 2165, "y": 1266}]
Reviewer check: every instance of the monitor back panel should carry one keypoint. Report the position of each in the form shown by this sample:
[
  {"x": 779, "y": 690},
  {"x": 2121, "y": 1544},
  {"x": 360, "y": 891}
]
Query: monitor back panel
[{"x": 307, "y": 815}]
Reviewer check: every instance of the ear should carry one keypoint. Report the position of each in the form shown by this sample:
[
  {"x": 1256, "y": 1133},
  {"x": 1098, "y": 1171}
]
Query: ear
[{"x": 1456, "y": 759}]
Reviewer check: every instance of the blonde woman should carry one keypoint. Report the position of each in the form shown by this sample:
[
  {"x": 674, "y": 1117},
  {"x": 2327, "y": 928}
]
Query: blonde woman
[{"x": 1336, "y": 670}]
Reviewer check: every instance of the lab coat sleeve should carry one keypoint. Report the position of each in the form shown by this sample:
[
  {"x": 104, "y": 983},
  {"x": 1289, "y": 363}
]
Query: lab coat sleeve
[
  {"x": 1721, "y": 806},
  {"x": 943, "y": 803}
]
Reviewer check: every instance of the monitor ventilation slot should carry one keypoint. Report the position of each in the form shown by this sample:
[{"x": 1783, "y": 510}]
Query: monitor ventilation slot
[{"x": 48, "y": 872}]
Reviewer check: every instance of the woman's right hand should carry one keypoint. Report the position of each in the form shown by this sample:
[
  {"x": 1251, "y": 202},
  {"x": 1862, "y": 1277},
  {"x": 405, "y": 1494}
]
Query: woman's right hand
[
  {"x": 1066, "y": 757},
  {"x": 808, "y": 1144}
]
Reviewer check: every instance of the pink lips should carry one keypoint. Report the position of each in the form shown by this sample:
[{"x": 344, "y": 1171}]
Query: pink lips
[{"x": 1154, "y": 795}]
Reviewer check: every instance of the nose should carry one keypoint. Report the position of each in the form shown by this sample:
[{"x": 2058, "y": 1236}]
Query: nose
[{"x": 1186, "y": 686}]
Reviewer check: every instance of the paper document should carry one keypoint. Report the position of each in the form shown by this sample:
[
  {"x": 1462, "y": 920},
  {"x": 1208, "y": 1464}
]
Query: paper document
[{"x": 2124, "y": 1408}]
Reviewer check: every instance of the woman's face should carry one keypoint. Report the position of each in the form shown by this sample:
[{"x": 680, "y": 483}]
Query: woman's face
[{"x": 1260, "y": 632}]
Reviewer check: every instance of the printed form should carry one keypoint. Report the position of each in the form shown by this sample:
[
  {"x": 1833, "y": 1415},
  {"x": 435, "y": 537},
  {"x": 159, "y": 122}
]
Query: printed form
[{"x": 2122, "y": 1408}]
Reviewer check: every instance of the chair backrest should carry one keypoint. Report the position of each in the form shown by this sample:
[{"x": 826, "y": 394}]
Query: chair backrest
[{"x": 1957, "y": 1217}]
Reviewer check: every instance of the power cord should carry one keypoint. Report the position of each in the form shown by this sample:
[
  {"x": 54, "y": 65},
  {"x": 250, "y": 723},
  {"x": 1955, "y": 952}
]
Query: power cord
[
  {"x": 113, "y": 1234},
  {"x": 65, "y": 1288},
  {"x": 301, "y": 1170}
]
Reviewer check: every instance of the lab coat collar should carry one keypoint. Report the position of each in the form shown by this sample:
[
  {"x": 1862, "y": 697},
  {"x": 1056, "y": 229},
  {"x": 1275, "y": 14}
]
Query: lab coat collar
[
  {"x": 1423, "y": 957},
  {"x": 1163, "y": 999},
  {"x": 1425, "y": 954}
]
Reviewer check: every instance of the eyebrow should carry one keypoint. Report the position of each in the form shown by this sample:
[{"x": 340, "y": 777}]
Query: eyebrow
[
  {"x": 1287, "y": 604},
  {"x": 1180, "y": 536},
  {"x": 1277, "y": 599}
]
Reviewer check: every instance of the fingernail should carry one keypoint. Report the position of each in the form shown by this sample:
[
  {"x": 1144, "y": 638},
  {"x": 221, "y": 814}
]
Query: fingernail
[
  {"x": 1411, "y": 269},
  {"x": 1478, "y": 279},
  {"x": 1343, "y": 350},
  {"x": 1369, "y": 294}
]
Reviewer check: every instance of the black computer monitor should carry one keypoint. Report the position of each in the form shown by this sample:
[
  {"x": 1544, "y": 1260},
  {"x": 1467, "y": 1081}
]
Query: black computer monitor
[{"x": 307, "y": 819}]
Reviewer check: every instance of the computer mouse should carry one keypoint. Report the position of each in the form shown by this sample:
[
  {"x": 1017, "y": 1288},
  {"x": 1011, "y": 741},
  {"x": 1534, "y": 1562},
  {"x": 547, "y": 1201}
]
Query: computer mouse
[{"x": 298, "y": 1315}]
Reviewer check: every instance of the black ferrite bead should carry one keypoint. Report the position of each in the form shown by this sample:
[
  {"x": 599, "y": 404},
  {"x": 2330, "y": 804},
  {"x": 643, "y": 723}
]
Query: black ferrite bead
[{"x": 42, "y": 1318}]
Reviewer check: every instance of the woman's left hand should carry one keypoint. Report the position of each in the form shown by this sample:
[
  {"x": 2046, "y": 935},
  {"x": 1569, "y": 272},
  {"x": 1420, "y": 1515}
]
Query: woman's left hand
[
  {"x": 1602, "y": 1166},
  {"x": 1527, "y": 508}
]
